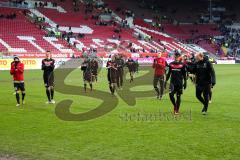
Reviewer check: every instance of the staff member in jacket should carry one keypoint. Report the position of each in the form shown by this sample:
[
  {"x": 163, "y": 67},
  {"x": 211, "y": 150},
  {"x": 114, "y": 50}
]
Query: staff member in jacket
[
  {"x": 159, "y": 65},
  {"x": 205, "y": 79}
]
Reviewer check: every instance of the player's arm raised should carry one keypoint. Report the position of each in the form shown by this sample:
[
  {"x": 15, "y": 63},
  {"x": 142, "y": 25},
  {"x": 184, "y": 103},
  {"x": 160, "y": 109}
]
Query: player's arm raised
[
  {"x": 20, "y": 68},
  {"x": 12, "y": 70}
]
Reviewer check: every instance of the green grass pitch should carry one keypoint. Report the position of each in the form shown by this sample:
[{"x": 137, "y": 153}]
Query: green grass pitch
[{"x": 36, "y": 133}]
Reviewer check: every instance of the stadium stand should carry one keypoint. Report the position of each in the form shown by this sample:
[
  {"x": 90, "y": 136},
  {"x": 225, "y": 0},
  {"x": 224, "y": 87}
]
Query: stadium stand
[{"x": 71, "y": 27}]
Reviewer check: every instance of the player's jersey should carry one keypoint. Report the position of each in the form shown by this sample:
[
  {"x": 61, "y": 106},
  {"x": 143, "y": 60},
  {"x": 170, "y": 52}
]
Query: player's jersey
[
  {"x": 48, "y": 66},
  {"x": 120, "y": 63},
  {"x": 112, "y": 71},
  {"x": 87, "y": 71},
  {"x": 131, "y": 65},
  {"x": 94, "y": 66},
  {"x": 159, "y": 65},
  {"x": 177, "y": 71},
  {"x": 17, "y": 70}
]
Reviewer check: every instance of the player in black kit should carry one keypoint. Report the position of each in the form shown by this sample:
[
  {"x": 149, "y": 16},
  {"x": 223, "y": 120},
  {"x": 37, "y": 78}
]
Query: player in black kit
[
  {"x": 120, "y": 72},
  {"x": 48, "y": 65},
  {"x": 131, "y": 67},
  {"x": 87, "y": 74},
  {"x": 177, "y": 72},
  {"x": 112, "y": 74},
  {"x": 94, "y": 66},
  {"x": 205, "y": 79}
]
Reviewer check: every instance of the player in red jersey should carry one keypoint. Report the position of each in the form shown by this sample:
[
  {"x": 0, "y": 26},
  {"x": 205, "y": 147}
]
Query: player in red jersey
[
  {"x": 17, "y": 71},
  {"x": 159, "y": 65}
]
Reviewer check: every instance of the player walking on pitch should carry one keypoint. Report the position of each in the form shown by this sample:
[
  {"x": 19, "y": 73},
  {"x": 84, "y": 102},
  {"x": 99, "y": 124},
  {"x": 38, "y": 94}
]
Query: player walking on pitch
[
  {"x": 94, "y": 66},
  {"x": 120, "y": 71},
  {"x": 87, "y": 74},
  {"x": 159, "y": 65},
  {"x": 205, "y": 79},
  {"x": 17, "y": 71},
  {"x": 177, "y": 72},
  {"x": 131, "y": 67},
  {"x": 112, "y": 74},
  {"x": 48, "y": 65}
]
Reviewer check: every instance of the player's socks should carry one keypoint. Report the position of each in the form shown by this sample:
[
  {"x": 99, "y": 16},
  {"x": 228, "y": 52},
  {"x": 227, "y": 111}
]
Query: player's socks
[
  {"x": 175, "y": 109},
  {"x": 85, "y": 87},
  {"x": 48, "y": 95},
  {"x": 52, "y": 94},
  {"x": 157, "y": 90},
  {"x": 178, "y": 102},
  {"x": 111, "y": 90},
  {"x": 172, "y": 99},
  {"x": 91, "y": 87},
  {"x": 23, "y": 96},
  {"x": 18, "y": 98}
]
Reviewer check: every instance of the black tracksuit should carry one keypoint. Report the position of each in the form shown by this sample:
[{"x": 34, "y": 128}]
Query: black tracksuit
[{"x": 205, "y": 79}]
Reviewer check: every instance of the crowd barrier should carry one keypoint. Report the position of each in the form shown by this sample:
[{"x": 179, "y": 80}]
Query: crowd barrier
[{"x": 35, "y": 63}]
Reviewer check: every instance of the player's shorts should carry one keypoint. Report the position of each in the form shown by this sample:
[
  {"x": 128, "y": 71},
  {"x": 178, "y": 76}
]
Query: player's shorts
[
  {"x": 48, "y": 80},
  {"x": 131, "y": 68},
  {"x": 120, "y": 72},
  {"x": 19, "y": 86},
  {"x": 178, "y": 89},
  {"x": 95, "y": 72},
  {"x": 87, "y": 77}
]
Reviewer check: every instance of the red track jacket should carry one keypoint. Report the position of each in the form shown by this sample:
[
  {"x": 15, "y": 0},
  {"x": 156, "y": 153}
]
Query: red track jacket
[{"x": 16, "y": 71}]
